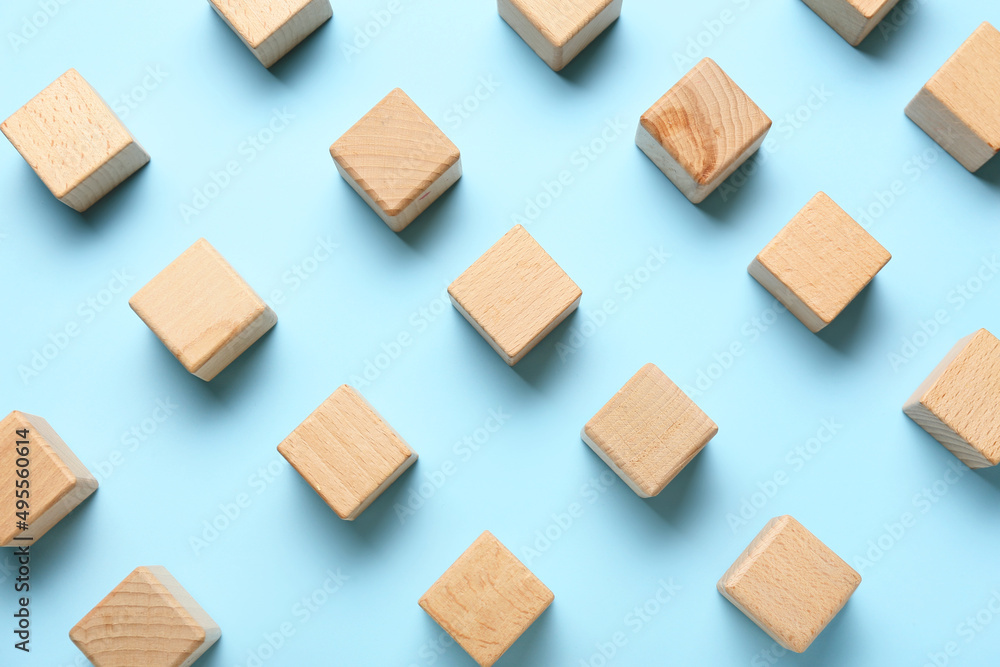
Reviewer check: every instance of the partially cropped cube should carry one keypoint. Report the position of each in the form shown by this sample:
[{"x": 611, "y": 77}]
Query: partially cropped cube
[
  {"x": 203, "y": 311},
  {"x": 46, "y": 481},
  {"x": 789, "y": 583},
  {"x": 852, "y": 19},
  {"x": 515, "y": 295},
  {"x": 74, "y": 142},
  {"x": 958, "y": 107},
  {"x": 557, "y": 30},
  {"x": 347, "y": 452},
  {"x": 957, "y": 403},
  {"x": 648, "y": 431},
  {"x": 272, "y": 28},
  {"x": 149, "y": 620},
  {"x": 819, "y": 262},
  {"x": 702, "y": 130},
  {"x": 397, "y": 159},
  {"x": 486, "y": 599}
]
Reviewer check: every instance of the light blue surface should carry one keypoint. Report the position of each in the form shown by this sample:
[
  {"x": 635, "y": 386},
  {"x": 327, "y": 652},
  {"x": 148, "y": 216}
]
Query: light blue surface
[{"x": 854, "y": 143}]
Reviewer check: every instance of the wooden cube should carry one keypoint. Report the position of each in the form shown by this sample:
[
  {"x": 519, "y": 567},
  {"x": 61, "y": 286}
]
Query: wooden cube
[
  {"x": 149, "y": 620},
  {"x": 514, "y": 295},
  {"x": 74, "y": 141},
  {"x": 789, "y": 583},
  {"x": 958, "y": 106},
  {"x": 397, "y": 159},
  {"x": 272, "y": 28},
  {"x": 557, "y": 30},
  {"x": 852, "y": 19},
  {"x": 486, "y": 599},
  {"x": 54, "y": 484},
  {"x": 819, "y": 262},
  {"x": 648, "y": 431},
  {"x": 347, "y": 452},
  {"x": 957, "y": 402},
  {"x": 702, "y": 130},
  {"x": 202, "y": 310}
]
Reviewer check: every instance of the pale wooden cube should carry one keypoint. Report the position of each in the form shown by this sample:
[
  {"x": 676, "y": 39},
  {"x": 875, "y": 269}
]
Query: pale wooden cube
[
  {"x": 347, "y": 452},
  {"x": 819, "y": 262},
  {"x": 558, "y": 30},
  {"x": 272, "y": 28},
  {"x": 958, "y": 107},
  {"x": 74, "y": 141},
  {"x": 486, "y": 599},
  {"x": 957, "y": 403},
  {"x": 54, "y": 484},
  {"x": 789, "y": 583},
  {"x": 397, "y": 159},
  {"x": 149, "y": 620},
  {"x": 648, "y": 431},
  {"x": 852, "y": 19},
  {"x": 702, "y": 130},
  {"x": 203, "y": 311},
  {"x": 514, "y": 295}
]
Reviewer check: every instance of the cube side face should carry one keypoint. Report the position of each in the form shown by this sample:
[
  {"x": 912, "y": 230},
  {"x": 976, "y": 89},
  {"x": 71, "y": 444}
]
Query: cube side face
[
  {"x": 687, "y": 121},
  {"x": 515, "y": 294},
  {"x": 57, "y": 481},
  {"x": 789, "y": 583},
  {"x": 956, "y": 107},
  {"x": 347, "y": 452},
  {"x": 852, "y": 19},
  {"x": 395, "y": 153},
  {"x": 255, "y": 22},
  {"x": 823, "y": 257},
  {"x": 142, "y": 622},
  {"x": 197, "y": 305},
  {"x": 66, "y": 133},
  {"x": 558, "y": 30},
  {"x": 962, "y": 393},
  {"x": 486, "y": 599},
  {"x": 650, "y": 430}
]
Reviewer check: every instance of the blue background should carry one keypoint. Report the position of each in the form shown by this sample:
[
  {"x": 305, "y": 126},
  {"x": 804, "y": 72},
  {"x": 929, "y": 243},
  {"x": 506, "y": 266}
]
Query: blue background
[{"x": 839, "y": 127}]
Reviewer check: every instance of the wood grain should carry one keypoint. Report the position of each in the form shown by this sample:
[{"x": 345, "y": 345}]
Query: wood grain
[
  {"x": 486, "y": 599},
  {"x": 957, "y": 402},
  {"x": 397, "y": 159},
  {"x": 148, "y": 620},
  {"x": 852, "y": 19},
  {"x": 957, "y": 108},
  {"x": 74, "y": 141},
  {"x": 514, "y": 295},
  {"x": 648, "y": 431},
  {"x": 272, "y": 28},
  {"x": 789, "y": 583},
  {"x": 819, "y": 262},
  {"x": 202, "y": 310},
  {"x": 702, "y": 130},
  {"x": 57, "y": 481},
  {"x": 347, "y": 452},
  {"x": 558, "y": 30}
]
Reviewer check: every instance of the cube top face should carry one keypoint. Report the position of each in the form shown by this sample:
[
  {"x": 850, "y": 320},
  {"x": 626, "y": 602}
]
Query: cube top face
[
  {"x": 968, "y": 84},
  {"x": 789, "y": 583},
  {"x": 255, "y": 20},
  {"x": 963, "y": 392},
  {"x": 514, "y": 293},
  {"x": 394, "y": 152},
  {"x": 486, "y": 599},
  {"x": 823, "y": 257},
  {"x": 66, "y": 133},
  {"x": 560, "y": 20},
  {"x": 346, "y": 451},
  {"x": 705, "y": 122},
  {"x": 650, "y": 430},
  {"x": 869, "y": 8},
  {"x": 148, "y": 619},
  {"x": 50, "y": 478},
  {"x": 197, "y": 305}
]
